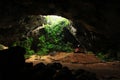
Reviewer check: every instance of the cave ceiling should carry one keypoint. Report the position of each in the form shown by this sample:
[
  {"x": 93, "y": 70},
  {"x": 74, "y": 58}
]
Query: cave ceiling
[{"x": 101, "y": 16}]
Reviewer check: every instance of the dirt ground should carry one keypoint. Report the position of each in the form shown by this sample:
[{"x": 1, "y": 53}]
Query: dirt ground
[{"x": 103, "y": 70}]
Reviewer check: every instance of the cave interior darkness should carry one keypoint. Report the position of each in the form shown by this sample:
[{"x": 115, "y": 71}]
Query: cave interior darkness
[
  {"x": 89, "y": 17},
  {"x": 95, "y": 27}
]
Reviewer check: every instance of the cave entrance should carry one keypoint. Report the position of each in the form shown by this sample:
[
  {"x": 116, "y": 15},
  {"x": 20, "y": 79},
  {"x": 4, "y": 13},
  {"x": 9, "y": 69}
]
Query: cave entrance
[{"x": 47, "y": 34}]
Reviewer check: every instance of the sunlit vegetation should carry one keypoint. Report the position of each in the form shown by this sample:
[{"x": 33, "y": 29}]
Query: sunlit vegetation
[
  {"x": 51, "y": 40},
  {"x": 27, "y": 43}
]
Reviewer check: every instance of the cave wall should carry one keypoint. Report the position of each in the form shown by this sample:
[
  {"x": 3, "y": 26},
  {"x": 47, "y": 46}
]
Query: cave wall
[
  {"x": 103, "y": 14},
  {"x": 97, "y": 16}
]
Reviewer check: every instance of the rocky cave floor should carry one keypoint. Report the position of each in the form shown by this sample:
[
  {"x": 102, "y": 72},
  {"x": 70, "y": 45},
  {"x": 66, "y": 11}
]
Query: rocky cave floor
[{"x": 74, "y": 61}]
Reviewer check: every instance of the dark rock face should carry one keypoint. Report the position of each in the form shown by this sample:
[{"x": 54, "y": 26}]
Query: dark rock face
[
  {"x": 12, "y": 62},
  {"x": 92, "y": 18}
]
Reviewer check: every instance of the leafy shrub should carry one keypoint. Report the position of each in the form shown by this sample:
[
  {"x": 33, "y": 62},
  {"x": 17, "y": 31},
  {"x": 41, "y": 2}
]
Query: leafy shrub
[
  {"x": 52, "y": 40},
  {"x": 101, "y": 56},
  {"x": 27, "y": 43}
]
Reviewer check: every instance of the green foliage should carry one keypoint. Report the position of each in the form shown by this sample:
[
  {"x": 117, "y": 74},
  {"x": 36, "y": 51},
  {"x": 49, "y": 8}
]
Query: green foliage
[
  {"x": 53, "y": 39},
  {"x": 108, "y": 56},
  {"x": 101, "y": 56},
  {"x": 27, "y": 43}
]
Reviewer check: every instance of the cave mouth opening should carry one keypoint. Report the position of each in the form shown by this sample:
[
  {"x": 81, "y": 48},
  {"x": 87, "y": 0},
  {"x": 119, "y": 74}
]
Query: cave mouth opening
[
  {"x": 52, "y": 37},
  {"x": 43, "y": 34},
  {"x": 47, "y": 34}
]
